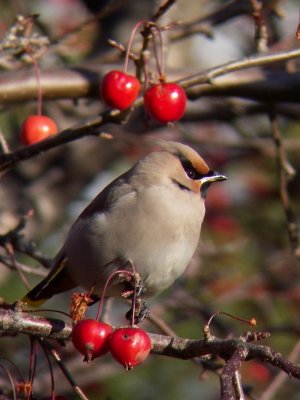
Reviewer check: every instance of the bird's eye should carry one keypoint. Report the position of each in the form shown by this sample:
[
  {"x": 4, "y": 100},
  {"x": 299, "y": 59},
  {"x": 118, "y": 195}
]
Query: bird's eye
[{"x": 191, "y": 172}]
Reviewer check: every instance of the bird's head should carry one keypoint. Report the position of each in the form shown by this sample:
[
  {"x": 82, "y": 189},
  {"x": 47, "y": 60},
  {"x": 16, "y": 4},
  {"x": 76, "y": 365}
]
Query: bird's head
[{"x": 185, "y": 167}]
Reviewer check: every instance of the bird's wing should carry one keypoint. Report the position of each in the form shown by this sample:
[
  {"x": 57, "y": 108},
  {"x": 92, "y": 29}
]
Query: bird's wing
[{"x": 57, "y": 281}]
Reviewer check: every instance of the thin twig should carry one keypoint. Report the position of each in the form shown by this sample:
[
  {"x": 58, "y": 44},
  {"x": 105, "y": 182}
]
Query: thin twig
[
  {"x": 14, "y": 240},
  {"x": 228, "y": 389},
  {"x": 41, "y": 343},
  {"x": 15, "y": 265},
  {"x": 249, "y": 62},
  {"x": 162, "y": 10},
  {"x": 281, "y": 377},
  {"x": 82, "y": 129},
  {"x": 65, "y": 371},
  {"x": 11, "y": 381},
  {"x": 237, "y": 385},
  {"x": 10, "y": 251},
  {"x": 286, "y": 173},
  {"x": 261, "y": 33},
  {"x": 161, "y": 325},
  {"x": 3, "y": 143}
]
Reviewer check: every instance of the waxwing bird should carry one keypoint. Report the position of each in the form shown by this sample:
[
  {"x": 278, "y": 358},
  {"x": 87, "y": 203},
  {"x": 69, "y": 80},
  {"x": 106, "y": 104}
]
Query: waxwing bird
[{"x": 150, "y": 216}]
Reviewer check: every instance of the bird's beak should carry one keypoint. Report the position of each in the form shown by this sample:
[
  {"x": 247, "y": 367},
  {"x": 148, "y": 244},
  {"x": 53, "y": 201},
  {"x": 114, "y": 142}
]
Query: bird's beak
[
  {"x": 211, "y": 177},
  {"x": 214, "y": 177}
]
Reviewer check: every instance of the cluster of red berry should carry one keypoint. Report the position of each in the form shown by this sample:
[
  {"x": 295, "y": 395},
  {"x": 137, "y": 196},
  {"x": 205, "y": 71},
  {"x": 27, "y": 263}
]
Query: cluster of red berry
[
  {"x": 130, "y": 346},
  {"x": 165, "y": 102}
]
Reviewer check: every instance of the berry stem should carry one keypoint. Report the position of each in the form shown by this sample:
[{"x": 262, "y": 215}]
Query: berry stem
[
  {"x": 251, "y": 322},
  {"x": 125, "y": 272},
  {"x": 41, "y": 343},
  {"x": 133, "y": 32},
  {"x": 160, "y": 59},
  {"x": 38, "y": 81},
  {"x": 11, "y": 381},
  {"x": 32, "y": 365}
]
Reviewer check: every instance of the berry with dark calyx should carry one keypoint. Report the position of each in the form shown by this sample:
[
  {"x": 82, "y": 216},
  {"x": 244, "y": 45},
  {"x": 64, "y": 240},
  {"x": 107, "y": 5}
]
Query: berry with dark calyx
[
  {"x": 129, "y": 346},
  {"x": 90, "y": 338},
  {"x": 119, "y": 90},
  {"x": 165, "y": 102},
  {"x": 36, "y": 128}
]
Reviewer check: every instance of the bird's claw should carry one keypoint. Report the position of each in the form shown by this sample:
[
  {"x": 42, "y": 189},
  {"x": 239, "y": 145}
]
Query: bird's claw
[{"x": 141, "y": 311}]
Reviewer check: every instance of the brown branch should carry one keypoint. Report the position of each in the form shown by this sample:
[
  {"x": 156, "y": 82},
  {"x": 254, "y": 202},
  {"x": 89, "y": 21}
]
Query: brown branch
[
  {"x": 64, "y": 370},
  {"x": 261, "y": 33},
  {"x": 249, "y": 62},
  {"x": 229, "y": 372},
  {"x": 91, "y": 126},
  {"x": 84, "y": 81},
  {"x": 278, "y": 381},
  {"x": 15, "y": 265},
  {"x": 14, "y": 240},
  {"x": 109, "y": 9},
  {"x": 230, "y": 110},
  {"x": 17, "y": 321},
  {"x": 276, "y": 87},
  {"x": 238, "y": 386},
  {"x": 71, "y": 83},
  {"x": 223, "y": 13},
  {"x": 162, "y": 10},
  {"x": 187, "y": 349},
  {"x": 286, "y": 173},
  {"x": 205, "y": 23},
  {"x": 4, "y": 147},
  {"x": 82, "y": 129}
]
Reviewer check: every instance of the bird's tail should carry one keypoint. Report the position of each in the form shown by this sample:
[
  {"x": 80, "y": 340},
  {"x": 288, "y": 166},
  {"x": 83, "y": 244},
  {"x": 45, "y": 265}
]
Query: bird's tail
[{"x": 57, "y": 281}]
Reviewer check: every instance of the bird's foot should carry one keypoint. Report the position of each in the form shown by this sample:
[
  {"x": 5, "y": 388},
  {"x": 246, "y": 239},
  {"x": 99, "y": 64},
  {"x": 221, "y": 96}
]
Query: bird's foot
[
  {"x": 140, "y": 310},
  {"x": 133, "y": 280},
  {"x": 134, "y": 285}
]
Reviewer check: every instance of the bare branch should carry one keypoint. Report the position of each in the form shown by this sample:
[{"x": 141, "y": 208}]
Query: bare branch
[
  {"x": 162, "y": 10},
  {"x": 86, "y": 128},
  {"x": 64, "y": 370},
  {"x": 229, "y": 372},
  {"x": 261, "y": 33},
  {"x": 286, "y": 173},
  {"x": 14, "y": 240},
  {"x": 280, "y": 86},
  {"x": 249, "y": 62},
  {"x": 13, "y": 321},
  {"x": 238, "y": 387},
  {"x": 278, "y": 381},
  {"x": 84, "y": 82}
]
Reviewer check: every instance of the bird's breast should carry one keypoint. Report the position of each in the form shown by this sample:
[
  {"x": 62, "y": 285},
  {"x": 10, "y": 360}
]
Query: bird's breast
[
  {"x": 159, "y": 233},
  {"x": 156, "y": 229}
]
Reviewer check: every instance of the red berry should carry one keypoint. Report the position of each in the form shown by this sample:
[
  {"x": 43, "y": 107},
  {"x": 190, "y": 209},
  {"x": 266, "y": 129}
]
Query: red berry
[
  {"x": 91, "y": 337},
  {"x": 129, "y": 346},
  {"x": 119, "y": 90},
  {"x": 165, "y": 102},
  {"x": 36, "y": 128}
]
